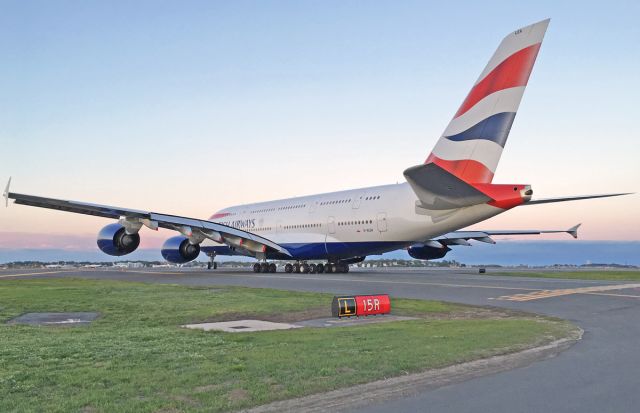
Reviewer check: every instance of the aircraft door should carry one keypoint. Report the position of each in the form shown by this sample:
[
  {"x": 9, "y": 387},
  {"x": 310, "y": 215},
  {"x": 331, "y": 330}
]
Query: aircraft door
[
  {"x": 382, "y": 221},
  {"x": 331, "y": 225},
  {"x": 279, "y": 227},
  {"x": 357, "y": 201}
]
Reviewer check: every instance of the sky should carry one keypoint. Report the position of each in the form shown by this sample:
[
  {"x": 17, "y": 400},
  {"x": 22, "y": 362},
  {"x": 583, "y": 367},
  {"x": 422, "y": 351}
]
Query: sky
[{"x": 190, "y": 107}]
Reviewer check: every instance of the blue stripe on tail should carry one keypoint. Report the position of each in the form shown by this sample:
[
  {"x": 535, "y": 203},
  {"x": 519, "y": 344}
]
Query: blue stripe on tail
[{"x": 494, "y": 128}]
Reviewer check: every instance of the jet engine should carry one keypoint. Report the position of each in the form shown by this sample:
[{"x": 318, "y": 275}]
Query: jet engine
[
  {"x": 114, "y": 240},
  {"x": 427, "y": 252},
  {"x": 179, "y": 250}
]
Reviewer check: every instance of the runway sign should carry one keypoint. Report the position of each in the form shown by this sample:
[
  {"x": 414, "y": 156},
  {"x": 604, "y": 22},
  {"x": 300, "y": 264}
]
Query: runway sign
[{"x": 360, "y": 305}]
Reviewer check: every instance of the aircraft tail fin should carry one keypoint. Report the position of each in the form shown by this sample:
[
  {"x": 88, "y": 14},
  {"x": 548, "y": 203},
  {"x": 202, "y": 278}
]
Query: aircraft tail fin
[{"x": 472, "y": 143}]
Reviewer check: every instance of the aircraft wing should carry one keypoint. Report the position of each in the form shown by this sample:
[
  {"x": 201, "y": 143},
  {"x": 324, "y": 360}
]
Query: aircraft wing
[
  {"x": 463, "y": 237},
  {"x": 189, "y": 227}
]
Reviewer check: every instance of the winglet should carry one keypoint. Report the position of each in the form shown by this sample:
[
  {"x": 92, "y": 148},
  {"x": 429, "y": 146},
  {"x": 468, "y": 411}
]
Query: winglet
[
  {"x": 573, "y": 231},
  {"x": 6, "y": 193}
]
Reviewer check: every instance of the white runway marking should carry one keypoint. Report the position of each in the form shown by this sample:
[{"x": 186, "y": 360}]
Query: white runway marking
[{"x": 34, "y": 273}]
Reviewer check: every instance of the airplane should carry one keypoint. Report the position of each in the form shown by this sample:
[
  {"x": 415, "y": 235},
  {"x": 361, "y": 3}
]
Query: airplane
[{"x": 450, "y": 191}]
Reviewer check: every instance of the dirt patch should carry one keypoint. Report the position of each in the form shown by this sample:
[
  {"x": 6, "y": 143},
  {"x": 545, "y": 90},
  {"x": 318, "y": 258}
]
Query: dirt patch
[
  {"x": 474, "y": 313},
  {"x": 208, "y": 388},
  {"x": 238, "y": 395},
  {"x": 213, "y": 387},
  {"x": 187, "y": 400},
  {"x": 345, "y": 370}
]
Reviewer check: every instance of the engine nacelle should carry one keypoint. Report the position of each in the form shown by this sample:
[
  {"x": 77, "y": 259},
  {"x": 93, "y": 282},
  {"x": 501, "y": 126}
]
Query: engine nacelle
[
  {"x": 427, "y": 252},
  {"x": 114, "y": 240},
  {"x": 179, "y": 250}
]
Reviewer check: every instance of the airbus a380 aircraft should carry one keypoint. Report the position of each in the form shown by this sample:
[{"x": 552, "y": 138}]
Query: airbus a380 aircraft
[{"x": 450, "y": 191}]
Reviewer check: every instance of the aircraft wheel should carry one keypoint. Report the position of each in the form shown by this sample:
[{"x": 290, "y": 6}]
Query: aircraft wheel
[
  {"x": 215, "y": 265},
  {"x": 272, "y": 267},
  {"x": 305, "y": 268},
  {"x": 209, "y": 265},
  {"x": 264, "y": 267},
  {"x": 288, "y": 268},
  {"x": 313, "y": 268},
  {"x": 345, "y": 268},
  {"x": 319, "y": 268},
  {"x": 257, "y": 267},
  {"x": 296, "y": 268},
  {"x": 327, "y": 268}
]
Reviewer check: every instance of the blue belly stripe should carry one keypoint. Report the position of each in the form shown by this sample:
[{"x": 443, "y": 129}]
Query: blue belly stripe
[{"x": 323, "y": 251}]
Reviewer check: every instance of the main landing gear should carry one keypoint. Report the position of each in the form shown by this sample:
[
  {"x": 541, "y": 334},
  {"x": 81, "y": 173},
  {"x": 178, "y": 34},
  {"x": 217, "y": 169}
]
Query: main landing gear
[
  {"x": 264, "y": 267},
  {"x": 302, "y": 267},
  {"x": 305, "y": 268}
]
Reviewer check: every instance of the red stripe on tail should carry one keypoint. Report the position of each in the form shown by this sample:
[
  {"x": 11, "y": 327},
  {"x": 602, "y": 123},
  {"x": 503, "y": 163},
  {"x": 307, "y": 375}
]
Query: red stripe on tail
[
  {"x": 512, "y": 72},
  {"x": 469, "y": 171}
]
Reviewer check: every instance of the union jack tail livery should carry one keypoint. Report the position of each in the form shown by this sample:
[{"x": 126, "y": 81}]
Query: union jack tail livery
[{"x": 472, "y": 143}]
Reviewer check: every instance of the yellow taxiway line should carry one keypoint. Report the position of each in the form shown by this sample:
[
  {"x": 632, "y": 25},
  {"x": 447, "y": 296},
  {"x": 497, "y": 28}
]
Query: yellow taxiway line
[{"x": 599, "y": 290}]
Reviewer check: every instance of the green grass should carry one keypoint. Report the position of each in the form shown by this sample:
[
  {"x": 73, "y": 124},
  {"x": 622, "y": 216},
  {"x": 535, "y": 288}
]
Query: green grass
[
  {"x": 577, "y": 275},
  {"x": 136, "y": 358}
]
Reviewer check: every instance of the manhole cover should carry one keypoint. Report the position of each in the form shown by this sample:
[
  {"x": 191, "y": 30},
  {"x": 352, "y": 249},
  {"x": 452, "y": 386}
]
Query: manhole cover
[{"x": 54, "y": 319}]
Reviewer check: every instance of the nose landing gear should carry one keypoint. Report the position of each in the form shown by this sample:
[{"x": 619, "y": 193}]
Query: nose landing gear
[{"x": 212, "y": 264}]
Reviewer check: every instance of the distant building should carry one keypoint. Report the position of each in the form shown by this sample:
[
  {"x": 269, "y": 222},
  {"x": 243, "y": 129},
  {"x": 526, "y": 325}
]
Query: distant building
[{"x": 127, "y": 264}]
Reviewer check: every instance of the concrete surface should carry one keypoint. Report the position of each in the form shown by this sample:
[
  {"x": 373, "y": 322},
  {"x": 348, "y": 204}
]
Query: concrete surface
[{"x": 241, "y": 326}]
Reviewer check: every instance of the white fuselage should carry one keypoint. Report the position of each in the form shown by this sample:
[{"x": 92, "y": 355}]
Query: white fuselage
[{"x": 349, "y": 223}]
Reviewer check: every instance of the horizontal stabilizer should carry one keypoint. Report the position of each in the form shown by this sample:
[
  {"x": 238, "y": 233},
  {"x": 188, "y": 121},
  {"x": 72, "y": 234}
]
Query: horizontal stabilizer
[
  {"x": 572, "y": 198},
  {"x": 573, "y": 231},
  {"x": 455, "y": 237},
  {"x": 439, "y": 190}
]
